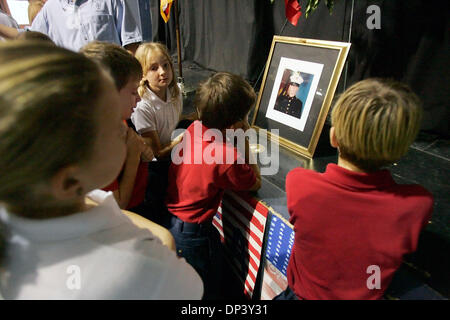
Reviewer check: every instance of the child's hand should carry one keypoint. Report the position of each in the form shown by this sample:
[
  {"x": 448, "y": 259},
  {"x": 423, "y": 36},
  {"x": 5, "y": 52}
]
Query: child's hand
[
  {"x": 134, "y": 145},
  {"x": 178, "y": 139},
  {"x": 243, "y": 124},
  {"x": 147, "y": 152}
]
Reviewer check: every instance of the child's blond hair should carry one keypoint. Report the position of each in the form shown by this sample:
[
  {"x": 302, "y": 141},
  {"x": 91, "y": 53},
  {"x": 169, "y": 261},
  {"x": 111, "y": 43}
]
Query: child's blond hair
[
  {"x": 375, "y": 122},
  {"x": 144, "y": 54},
  {"x": 48, "y": 118},
  {"x": 34, "y": 35}
]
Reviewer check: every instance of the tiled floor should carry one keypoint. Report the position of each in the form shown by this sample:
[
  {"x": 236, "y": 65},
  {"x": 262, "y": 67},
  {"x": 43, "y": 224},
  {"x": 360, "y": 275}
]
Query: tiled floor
[{"x": 427, "y": 163}]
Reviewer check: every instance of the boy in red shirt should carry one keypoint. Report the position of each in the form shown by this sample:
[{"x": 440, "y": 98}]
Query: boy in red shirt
[
  {"x": 208, "y": 165},
  {"x": 130, "y": 186},
  {"x": 353, "y": 224}
]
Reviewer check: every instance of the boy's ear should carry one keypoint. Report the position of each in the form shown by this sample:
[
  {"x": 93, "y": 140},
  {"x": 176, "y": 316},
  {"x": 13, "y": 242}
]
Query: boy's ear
[
  {"x": 333, "y": 140},
  {"x": 65, "y": 185}
]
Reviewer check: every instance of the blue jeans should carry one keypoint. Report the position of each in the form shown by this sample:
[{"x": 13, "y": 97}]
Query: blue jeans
[
  {"x": 287, "y": 294},
  {"x": 200, "y": 245}
]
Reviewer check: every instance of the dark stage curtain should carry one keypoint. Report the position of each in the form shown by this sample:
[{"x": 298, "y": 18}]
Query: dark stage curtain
[
  {"x": 225, "y": 35},
  {"x": 411, "y": 46}
]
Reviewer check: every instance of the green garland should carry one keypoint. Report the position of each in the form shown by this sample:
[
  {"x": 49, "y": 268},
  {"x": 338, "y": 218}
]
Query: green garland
[{"x": 312, "y": 5}]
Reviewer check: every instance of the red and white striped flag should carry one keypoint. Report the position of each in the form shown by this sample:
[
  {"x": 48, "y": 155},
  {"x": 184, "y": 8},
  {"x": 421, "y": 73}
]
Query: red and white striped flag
[
  {"x": 165, "y": 9},
  {"x": 241, "y": 221}
]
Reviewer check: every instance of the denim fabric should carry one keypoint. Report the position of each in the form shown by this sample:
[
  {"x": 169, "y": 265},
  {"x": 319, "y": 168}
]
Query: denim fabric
[
  {"x": 287, "y": 294},
  {"x": 157, "y": 190},
  {"x": 201, "y": 247}
]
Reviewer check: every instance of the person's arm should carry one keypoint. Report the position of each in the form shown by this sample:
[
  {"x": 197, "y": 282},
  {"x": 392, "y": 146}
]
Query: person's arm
[
  {"x": 152, "y": 138},
  {"x": 8, "y": 32},
  {"x": 129, "y": 29},
  {"x": 147, "y": 151},
  {"x": 162, "y": 233},
  {"x": 168, "y": 149},
  {"x": 126, "y": 181},
  {"x": 249, "y": 158}
]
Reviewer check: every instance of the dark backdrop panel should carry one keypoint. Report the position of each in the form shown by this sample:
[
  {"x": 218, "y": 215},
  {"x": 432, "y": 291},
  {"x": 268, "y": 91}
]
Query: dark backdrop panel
[
  {"x": 222, "y": 35},
  {"x": 412, "y": 44},
  {"x": 217, "y": 34}
]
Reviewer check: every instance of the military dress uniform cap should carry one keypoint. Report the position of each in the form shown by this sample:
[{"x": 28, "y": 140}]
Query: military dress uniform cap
[{"x": 296, "y": 78}]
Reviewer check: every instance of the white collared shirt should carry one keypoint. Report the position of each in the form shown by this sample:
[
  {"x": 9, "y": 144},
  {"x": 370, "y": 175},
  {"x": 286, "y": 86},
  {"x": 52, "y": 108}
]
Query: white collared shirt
[
  {"x": 154, "y": 114},
  {"x": 72, "y": 24},
  {"x": 96, "y": 254}
]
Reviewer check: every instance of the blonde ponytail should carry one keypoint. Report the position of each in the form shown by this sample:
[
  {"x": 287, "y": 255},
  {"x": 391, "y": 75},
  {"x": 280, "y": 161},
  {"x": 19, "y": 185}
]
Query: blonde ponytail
[
  {"x": 48, "y": 99},
  {"x": 141, "y": 89}
]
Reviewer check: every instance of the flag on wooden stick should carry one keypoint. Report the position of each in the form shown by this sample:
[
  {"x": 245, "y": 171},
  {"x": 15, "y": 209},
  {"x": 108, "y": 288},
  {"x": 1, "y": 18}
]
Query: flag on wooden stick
[{"x": 165, "y": 9}]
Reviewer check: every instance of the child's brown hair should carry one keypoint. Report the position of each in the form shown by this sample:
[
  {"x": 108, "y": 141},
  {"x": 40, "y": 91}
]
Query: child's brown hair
[
  {"x": 375, "y": 122},
  {"x": 224, "y": 99},
  {"x": 121, "y": 64}
]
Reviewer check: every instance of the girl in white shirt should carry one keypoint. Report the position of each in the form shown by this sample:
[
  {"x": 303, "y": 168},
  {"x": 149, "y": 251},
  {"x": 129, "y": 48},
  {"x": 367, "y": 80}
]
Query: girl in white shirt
[
  {"x": 159, "y": 111},
  {"x": 61, "y": 138},
  {"x": 156, "y": 116}
]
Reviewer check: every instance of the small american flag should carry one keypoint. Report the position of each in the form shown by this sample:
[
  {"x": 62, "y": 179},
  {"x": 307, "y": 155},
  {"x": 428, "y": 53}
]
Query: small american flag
[
  {"x": 279, "y": 242},
  {"x": 241, "y": 221}
]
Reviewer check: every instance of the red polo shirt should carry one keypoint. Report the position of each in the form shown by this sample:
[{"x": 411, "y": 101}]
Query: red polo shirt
[
  {"x": 196, "y": 185},
  {"x": 346, "y": 221},
  {"x": 140, "y": 185}
]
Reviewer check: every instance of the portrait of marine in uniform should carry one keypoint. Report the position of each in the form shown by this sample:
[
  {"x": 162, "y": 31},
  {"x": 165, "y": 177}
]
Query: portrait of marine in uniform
[
  {"x": 287, "y": 101},
  {"x": 292, "y": 92}
]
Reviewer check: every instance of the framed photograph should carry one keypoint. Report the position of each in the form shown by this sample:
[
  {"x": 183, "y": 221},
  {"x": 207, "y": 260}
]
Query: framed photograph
[{"x": 298, "y": 86}]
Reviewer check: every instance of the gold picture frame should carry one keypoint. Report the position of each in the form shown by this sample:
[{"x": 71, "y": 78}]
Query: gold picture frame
[{"x": 300, "y": 79}]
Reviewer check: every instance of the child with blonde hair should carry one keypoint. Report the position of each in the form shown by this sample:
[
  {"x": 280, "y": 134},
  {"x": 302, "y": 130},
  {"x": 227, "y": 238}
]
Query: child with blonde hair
[
  {"x": 156, "y": 116},
  {"x": 34, "y": 36},
  {"x": 353, "y": 224},
  {"x": 158, "y": 113},
  {"x": 62, "y": 138}
]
